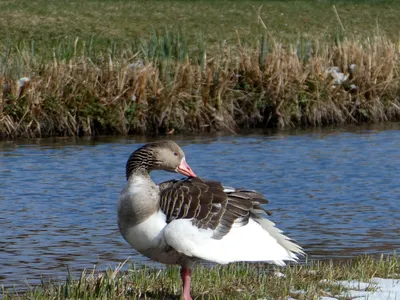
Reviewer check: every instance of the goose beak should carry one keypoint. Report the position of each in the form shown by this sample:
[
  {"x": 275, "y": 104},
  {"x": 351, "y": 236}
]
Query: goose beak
[{"x": 185, "y": 169}]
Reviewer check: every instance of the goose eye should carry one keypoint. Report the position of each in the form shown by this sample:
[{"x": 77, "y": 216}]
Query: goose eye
[{"x": 176, "y": 154}]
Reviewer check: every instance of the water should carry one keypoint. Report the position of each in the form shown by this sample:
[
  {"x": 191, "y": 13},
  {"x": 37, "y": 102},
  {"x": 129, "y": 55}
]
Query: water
[{"x": 335, "y": 192}]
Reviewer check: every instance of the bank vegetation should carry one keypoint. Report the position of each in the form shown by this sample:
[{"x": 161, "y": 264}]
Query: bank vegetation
[{"x": 155, "y": 86}]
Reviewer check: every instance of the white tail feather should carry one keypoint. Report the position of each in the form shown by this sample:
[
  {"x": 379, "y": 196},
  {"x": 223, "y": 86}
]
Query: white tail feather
[{"x": 282, "y": 239}]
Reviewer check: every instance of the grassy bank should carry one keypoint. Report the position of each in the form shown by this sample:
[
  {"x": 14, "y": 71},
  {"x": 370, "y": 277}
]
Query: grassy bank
[
  {"x": 49, "y": 22},
  {"x": 158, "y": 88},
  {"x": 139, "y": 72},
  {"x": 236, "y": 281}
]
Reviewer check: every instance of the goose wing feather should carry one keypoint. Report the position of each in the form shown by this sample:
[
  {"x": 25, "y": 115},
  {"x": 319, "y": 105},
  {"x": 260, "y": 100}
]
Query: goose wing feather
[{"x": 209, "y": 205}]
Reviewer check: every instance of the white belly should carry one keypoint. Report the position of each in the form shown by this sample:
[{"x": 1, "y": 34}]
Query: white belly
[
  {"x": 148, "y": 234},
  {"x": 148, "y": 239}
]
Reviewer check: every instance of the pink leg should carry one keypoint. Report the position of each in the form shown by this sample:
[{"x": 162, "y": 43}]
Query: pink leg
[{"x": 185, "y": 275}]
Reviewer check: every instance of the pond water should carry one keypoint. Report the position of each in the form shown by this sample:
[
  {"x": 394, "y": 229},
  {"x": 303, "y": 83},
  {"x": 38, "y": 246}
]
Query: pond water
[{"x": 336, "y": 192}]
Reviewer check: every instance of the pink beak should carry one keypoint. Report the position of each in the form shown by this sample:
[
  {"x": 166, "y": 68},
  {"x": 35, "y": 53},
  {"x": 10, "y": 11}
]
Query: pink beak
[{"x": 185, "y": 169}]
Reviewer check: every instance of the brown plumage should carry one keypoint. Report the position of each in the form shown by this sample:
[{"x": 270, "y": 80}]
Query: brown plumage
[{"x": 209, "y": 205}]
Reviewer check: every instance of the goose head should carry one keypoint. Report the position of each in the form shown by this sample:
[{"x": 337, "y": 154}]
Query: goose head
[{"x": 163, "y": 155}]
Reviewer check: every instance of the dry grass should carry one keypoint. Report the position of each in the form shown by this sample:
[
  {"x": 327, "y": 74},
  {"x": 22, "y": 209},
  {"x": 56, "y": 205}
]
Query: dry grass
[
  {"x": 195, "y": 66},
  {"x": 156, "y": 87},
  {"x": 235, "y": 281}
]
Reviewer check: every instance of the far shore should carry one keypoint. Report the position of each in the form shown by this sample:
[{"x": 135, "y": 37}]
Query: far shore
[
  {"x": 215, "y": 66},
  {"x": 354, "y": 82}
]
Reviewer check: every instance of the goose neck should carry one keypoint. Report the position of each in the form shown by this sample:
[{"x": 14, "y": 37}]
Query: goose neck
[{"x": 140, "y": 163}]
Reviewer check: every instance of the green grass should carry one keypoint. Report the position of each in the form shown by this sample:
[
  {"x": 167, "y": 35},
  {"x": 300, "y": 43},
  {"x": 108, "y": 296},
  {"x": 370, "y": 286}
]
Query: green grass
[
  {"x": 123, "y": 21},
  {"x": 235, "y": 281}
]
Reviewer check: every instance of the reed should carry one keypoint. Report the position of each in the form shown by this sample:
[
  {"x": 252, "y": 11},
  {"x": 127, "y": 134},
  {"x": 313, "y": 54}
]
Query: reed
[
  {"x": 235, "y": 281},
  {"x": 158, "y": 86}
]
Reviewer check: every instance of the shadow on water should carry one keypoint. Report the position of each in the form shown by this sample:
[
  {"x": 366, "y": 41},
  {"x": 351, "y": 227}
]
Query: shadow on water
[{"x": 334, "y": 191}]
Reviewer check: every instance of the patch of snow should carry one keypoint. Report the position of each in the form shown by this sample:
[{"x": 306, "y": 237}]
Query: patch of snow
[
  {"x": 354, "y": 284},
  {"x": 383, "y": 289},
  {"x": 279, "y": 274},
  {"x": 298, "y": 292},
  {"x": 353, "y": 68},
  {"x": 22, "y": 81},
  {"x": 337, "y": 75}
]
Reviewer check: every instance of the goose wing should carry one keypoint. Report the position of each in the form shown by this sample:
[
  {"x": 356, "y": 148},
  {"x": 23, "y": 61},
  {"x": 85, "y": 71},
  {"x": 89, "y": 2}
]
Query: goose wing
[
  {"x": 220, "y": 224},
  {"x": 209, "y": 205}
]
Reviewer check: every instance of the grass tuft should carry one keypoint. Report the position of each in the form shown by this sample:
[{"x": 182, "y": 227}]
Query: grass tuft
[{"x": 235, "y": 281}]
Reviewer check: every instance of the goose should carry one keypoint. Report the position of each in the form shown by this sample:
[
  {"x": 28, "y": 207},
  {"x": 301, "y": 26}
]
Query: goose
[{"x": 182, "y": 222}]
